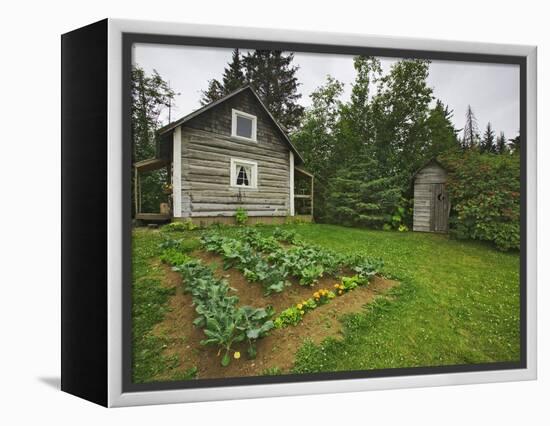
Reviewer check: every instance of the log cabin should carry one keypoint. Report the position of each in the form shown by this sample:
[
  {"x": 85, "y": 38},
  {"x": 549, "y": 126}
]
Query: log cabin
[{"x": 229, "y": 154}]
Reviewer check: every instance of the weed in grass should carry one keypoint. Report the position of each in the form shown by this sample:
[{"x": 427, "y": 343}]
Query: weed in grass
[
  {"x": 189, "y": 374},
  {"x": 272, "y": 371}
]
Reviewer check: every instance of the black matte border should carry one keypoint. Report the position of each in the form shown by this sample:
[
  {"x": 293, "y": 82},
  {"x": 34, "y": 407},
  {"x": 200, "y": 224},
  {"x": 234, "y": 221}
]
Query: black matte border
[{"x": 129, "y": 39}]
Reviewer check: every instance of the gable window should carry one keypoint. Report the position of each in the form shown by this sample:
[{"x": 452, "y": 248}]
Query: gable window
[
  {"x": 244, "y": 173},
  {"x": 243, "y": 125}
]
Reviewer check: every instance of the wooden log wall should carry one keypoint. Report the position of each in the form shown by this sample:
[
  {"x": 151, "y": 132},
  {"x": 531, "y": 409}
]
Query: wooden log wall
[{"x": 207, "y": 149}]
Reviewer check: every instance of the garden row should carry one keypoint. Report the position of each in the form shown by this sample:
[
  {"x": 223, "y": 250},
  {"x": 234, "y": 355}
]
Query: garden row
[
  {"x": 224, "y": 322},
  {"x": 295, "y": 314},
  {"x": 262, "y": 259}
]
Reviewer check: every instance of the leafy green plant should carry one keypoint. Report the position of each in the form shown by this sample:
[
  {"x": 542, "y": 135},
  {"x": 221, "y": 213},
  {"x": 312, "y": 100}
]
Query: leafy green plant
[
  {"x": 241, "y": 216},
  {"x": 399, "y": 217},
  {"x": 309, "y": 274},
  {"x": 287, "y": 235},
  {"x": 240, "y": 255},
  {"x": 367, "y": 267},
  {"x": 484, "y": 190},
  {"x": 256, "y": 324},
  {"x": 174, "y": 256},
  {"x": 185, "y": 245},
  {"x": 295, "y": 314},
  {"x": 223, "y": 322},
  {"x": 306, "y": 262},
  {"x": 221, "y": 329},
  {"x": 323, "y": 296},
  {"x": 290, "y": 316}
]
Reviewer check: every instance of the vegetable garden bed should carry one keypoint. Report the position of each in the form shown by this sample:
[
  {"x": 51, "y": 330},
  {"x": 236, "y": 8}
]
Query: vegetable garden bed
[
  {"x": 266, "y": 322},
  {"x": 275, "y": 352}
]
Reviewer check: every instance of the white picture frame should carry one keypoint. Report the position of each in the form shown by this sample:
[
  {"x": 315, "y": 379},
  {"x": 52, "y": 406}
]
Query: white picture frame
[{"x": 117, "y": 395}]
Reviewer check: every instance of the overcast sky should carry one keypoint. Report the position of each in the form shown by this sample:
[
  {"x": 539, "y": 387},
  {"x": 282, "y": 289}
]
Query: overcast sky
[{"x": 492, "y": 90}]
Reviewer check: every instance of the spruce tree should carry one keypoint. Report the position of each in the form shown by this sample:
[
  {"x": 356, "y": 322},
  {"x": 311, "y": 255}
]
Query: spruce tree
[
  {"x": 356, "y": 126},
  {"x": 488, "y": 142},
  {"x": 214, "y": 92},
  {"x": 233, "y": 76},
  {"x": 362, "y": 193},
  {"x": 515, "y": 144},
  {"x": 441, "y": 131},
  {"x": 471, "y": 132},
  {"x": 501, "y": 146},
  {"x": 232, "y": 79},
  {"x": 273, "y": 77}
]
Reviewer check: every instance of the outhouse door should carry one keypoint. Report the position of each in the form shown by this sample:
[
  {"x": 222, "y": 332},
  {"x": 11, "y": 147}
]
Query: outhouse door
[{"x": 440, "y": 208}]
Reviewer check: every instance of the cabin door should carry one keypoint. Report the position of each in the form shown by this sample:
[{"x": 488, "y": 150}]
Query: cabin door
[{"x": 441, "y": 207}]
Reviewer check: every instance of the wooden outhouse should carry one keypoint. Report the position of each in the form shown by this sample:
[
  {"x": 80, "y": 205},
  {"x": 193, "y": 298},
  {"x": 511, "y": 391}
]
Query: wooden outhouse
[{"x": 431, "y": 199}]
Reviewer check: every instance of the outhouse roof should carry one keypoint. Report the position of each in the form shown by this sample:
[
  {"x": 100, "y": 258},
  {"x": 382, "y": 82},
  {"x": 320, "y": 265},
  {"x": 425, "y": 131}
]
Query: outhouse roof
[{"x": 428, "y": 163}]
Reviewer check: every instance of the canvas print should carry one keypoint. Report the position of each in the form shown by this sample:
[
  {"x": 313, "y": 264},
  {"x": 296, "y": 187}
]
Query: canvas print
[{"x": 297, "y": 212}]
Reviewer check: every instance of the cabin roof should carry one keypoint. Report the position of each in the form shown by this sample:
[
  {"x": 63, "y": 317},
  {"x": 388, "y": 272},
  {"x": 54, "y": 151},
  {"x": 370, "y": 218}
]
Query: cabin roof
[{"x": 171, "y": 126}]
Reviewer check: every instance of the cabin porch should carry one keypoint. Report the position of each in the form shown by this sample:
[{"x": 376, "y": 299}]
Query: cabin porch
[{"x": 164, "y": 212}]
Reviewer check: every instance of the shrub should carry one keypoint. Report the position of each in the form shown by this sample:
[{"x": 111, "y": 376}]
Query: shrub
[
  {"x": 485, "y": 196},
  {"x": 186, "y": 225},
  {"x": 401, "y": 214},
  {"x": 241, "y": 216},
  {"x": 365, "y": 194}
]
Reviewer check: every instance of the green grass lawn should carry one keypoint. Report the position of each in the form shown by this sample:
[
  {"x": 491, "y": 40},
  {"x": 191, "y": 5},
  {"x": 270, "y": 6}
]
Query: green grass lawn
[
  {"x": 458, "y": 303},
  {"x": 149, "y": 300}
]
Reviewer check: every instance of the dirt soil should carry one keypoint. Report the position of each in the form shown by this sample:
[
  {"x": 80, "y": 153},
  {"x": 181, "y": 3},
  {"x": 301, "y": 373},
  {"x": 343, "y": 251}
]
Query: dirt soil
[{"x": 276, "y": 350}]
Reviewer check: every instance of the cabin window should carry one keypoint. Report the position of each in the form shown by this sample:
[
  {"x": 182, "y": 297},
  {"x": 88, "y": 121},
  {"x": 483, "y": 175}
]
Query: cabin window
[
  {"x": 243, "y": 125},
  {"x": 244, "y": 173}
]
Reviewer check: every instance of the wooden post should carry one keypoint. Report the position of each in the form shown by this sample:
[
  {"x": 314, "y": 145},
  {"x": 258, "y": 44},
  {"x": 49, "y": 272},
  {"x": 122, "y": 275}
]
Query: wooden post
[
  {"x": 169, "y": 182},
  {"x": 291, "y": 184},
  {"x": 311, "y": 197},
  {"x": 139, "y": 193},
  {"x": 136, "y": 191}
]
